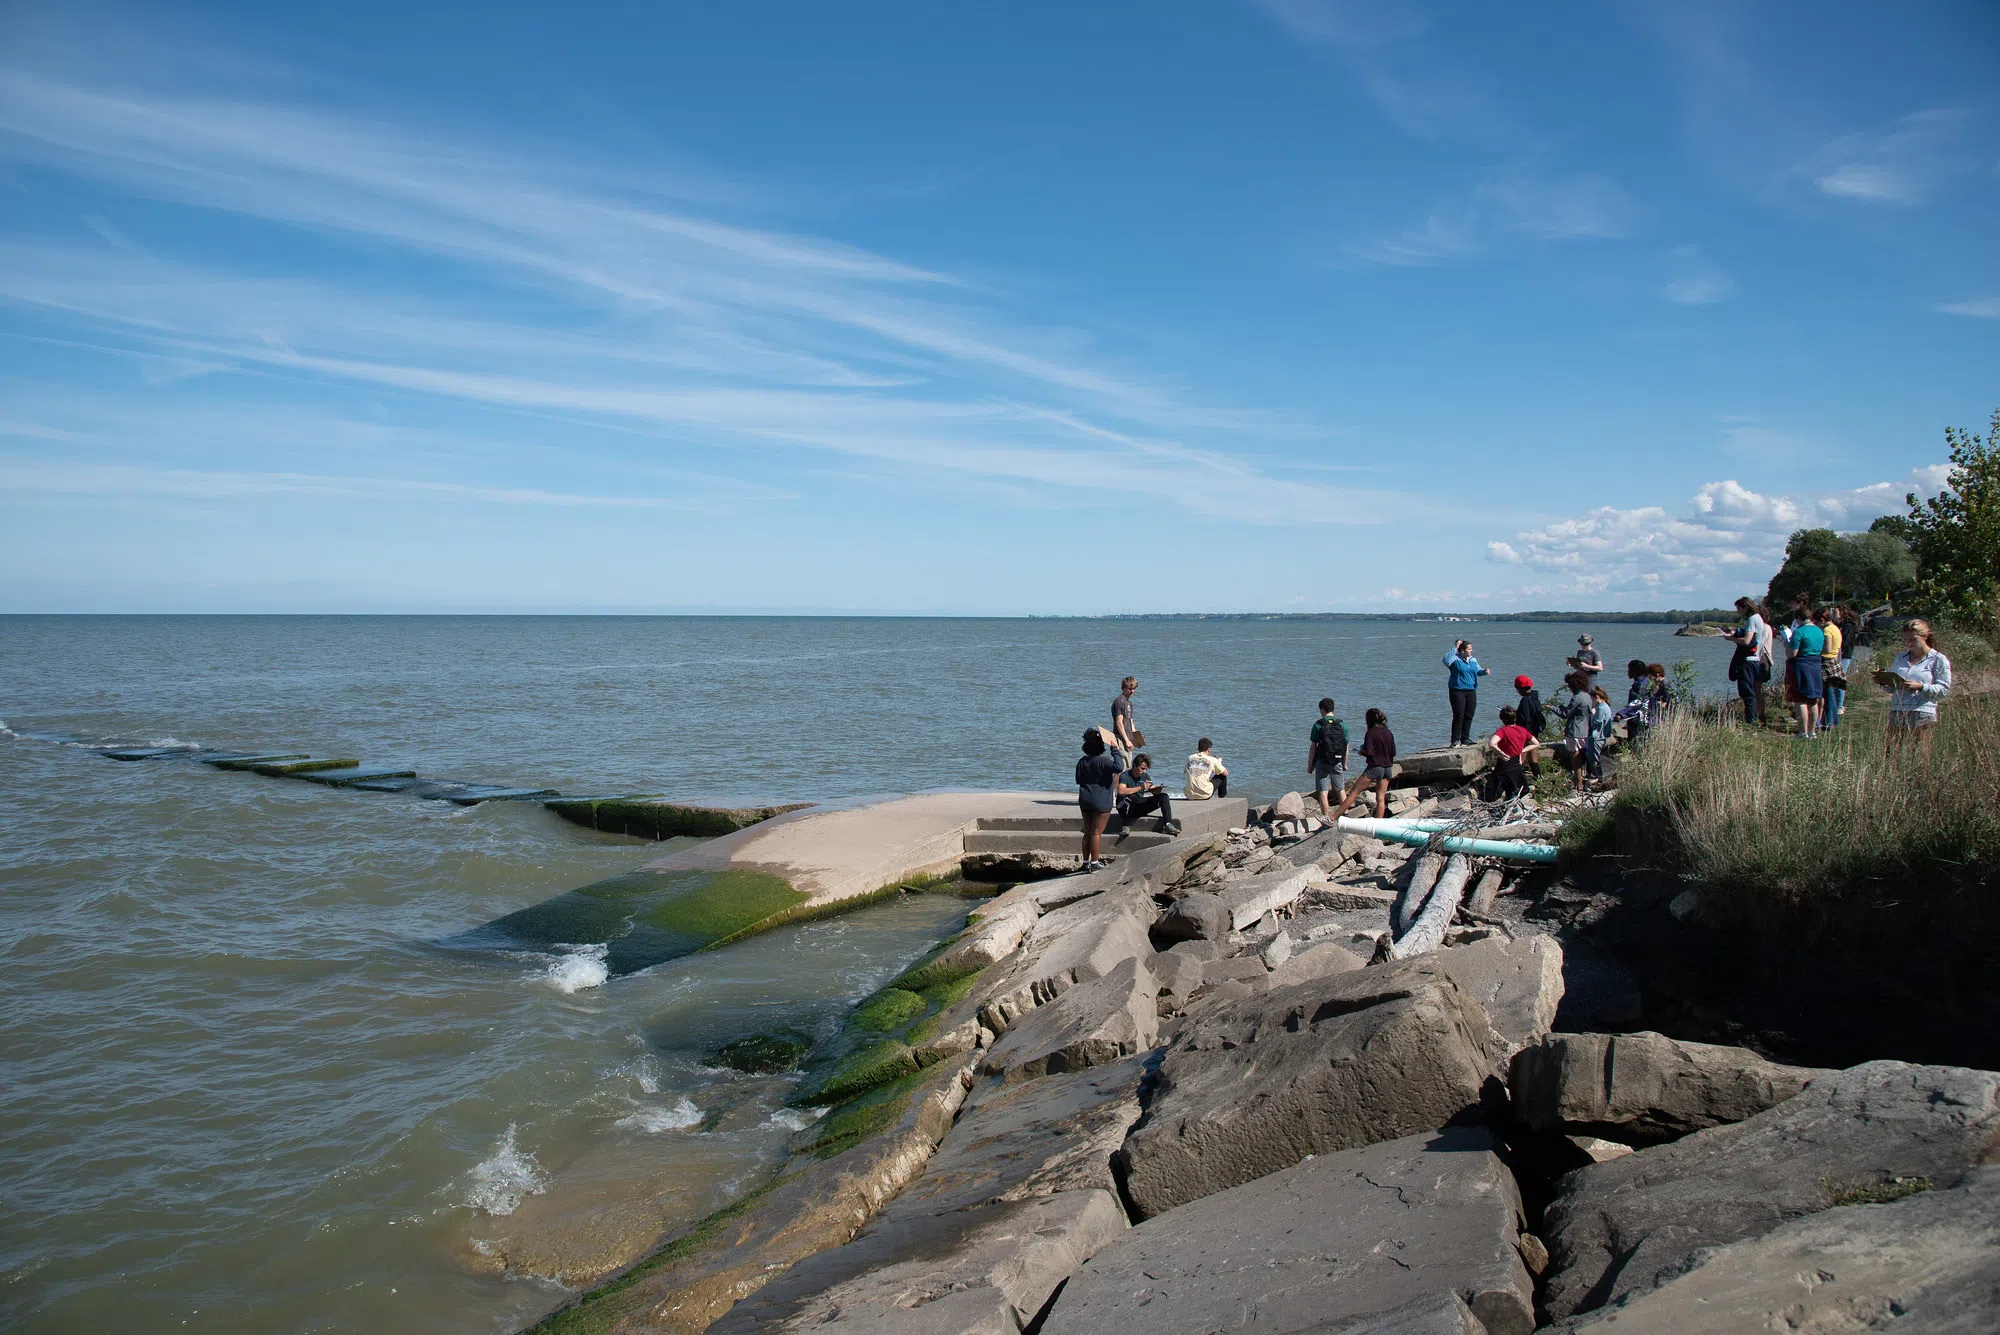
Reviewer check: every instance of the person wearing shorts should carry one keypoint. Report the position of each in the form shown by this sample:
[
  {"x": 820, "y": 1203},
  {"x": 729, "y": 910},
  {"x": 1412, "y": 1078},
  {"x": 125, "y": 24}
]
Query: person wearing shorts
[
  {"x": 1125, "y": 739},
  {"x": 1917, "y": 680},
  {"x": 1326, "y": 756},
  {"x": 1378, "y": 748},
  {"x": 1096, "y": 777}
]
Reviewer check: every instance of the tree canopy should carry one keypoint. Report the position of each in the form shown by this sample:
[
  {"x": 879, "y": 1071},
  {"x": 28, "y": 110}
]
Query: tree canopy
[
  {"x": 1956, "y": 534},
  {"x": 1827, "y": 566}
]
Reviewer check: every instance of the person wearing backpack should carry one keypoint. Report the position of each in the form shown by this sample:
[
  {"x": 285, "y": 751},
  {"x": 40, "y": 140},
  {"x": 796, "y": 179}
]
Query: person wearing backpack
[
  {"x": 1326, "y": 756},
  {"x": 1528, "y": 713}
]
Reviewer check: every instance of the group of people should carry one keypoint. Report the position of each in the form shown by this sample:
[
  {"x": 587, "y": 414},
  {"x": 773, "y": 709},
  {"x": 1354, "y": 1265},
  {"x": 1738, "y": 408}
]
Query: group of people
[
  {"x": 1114, "y": 775},
  {"x": 1818, "y": 655}
]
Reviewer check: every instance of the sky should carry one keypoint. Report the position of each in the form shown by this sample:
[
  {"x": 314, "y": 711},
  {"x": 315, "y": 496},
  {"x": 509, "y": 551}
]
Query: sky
[{"x": 1282, "y": 305}]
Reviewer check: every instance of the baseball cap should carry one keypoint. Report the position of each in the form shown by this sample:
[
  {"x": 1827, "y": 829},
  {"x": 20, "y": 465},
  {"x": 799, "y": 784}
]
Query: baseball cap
[{"x": 1524, "y": 683}]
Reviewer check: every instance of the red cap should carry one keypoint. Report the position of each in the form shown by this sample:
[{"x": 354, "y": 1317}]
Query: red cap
[{"x": 1524, "y": 683}]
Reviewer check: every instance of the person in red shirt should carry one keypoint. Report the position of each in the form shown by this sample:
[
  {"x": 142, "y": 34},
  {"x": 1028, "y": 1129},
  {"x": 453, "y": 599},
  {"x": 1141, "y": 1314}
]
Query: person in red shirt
[{"x": 1516, "y": 745}]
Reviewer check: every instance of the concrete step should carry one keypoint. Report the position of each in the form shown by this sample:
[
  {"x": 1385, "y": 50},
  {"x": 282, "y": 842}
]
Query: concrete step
[{"x": 1055, "y": 841}]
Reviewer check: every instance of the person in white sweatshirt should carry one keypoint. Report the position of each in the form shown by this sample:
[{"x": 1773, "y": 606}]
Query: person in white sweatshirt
[{"x": 1917, "y": 680}]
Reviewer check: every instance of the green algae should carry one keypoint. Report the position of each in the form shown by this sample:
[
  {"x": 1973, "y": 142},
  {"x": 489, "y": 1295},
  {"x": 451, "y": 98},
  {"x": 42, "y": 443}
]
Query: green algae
[
  {"x": 865, "y": 1116},
  {"x": 648, "y": 917},
  {"x": 939, "y": 998},
  {"x": 888, "y": 1010},
  {"x": 931, "y": 970},
  {"x": 251, "y": 762},
  {"x": 859, "y": 1071},
  {"x": 647, "y": 816},
  {"x": 764, "y": 1054},
  {"x": 279, "y": 769}
]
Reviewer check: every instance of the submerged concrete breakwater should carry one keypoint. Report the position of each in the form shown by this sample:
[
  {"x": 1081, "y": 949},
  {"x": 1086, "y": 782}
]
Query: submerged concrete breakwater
[{"x": 1176, "y": 1095}]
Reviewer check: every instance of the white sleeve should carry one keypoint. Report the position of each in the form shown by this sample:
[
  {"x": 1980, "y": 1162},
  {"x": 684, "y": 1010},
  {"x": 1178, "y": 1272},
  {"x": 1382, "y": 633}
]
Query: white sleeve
[{"x": 1940, "y": 677}]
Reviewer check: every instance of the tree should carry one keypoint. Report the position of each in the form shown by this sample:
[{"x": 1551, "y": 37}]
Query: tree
[
  {"x": 1956, "y": 534},
  {"x": 1815, "y": 565},
  {"x": 1879, "y": 562}
]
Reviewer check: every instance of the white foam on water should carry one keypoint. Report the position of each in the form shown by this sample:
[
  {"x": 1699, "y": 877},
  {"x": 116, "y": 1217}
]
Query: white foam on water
[
  {"x": 682, "y": 1115},
  {"x": 795, "y": 1119},
  {"x": 505, "y": 1178},
  {"x": 578, "y": 969}
]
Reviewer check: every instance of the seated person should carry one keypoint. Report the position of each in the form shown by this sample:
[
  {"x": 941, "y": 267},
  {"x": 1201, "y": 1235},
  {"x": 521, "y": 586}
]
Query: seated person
[
  {"x": 1138, "y": 795},
  {"x": 1207, "y": 776},
  {"x": 1516, "y": 745}
]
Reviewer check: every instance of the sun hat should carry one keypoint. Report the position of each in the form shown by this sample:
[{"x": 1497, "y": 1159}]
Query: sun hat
[
  {"x": 1583, "y": 639},
  {"x": 1524, "y": 683}
]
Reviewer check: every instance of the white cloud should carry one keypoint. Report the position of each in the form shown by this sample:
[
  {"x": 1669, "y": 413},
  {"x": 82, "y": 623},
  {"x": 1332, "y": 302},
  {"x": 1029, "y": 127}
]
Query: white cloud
[
  {"x": 1978, "y": 308},
  {"x": 1697, "y": 280},
  {"x": 1511, "y": 202},
  {"x": 1899, "y": 163},
  {"x": 552, "y": 288},
  {"x": 1727, "y": 532}
]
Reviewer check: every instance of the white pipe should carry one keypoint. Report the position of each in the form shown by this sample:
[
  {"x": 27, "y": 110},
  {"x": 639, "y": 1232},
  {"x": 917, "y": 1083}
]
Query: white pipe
[{"x": 1398, "y": 833}]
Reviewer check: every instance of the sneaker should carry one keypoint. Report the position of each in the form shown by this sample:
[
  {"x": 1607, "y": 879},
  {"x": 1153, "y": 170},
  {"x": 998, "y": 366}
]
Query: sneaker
[{"x": 1171, "y": 829}]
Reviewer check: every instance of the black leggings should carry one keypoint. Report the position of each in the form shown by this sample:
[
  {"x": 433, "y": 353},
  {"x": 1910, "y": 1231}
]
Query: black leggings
[
  {"x": 1222, "y": 785},
  {"x": 1464, "y": 704},
  {"x": 1134, "y": 807}
]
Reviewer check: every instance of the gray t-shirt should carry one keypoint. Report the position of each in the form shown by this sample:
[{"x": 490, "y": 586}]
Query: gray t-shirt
[{"x": 1121, "y": 708}]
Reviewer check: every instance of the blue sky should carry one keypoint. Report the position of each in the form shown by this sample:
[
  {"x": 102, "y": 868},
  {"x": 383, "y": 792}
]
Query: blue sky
[{"x": 1291, "y": 305}]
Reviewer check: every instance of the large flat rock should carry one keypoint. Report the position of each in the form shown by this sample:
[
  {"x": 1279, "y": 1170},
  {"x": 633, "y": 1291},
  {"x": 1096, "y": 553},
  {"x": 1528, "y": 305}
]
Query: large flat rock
[
  {"x": 1519, "y": 982},
  {"x": 1644, "y": 1089},
  {"x": 1929, "y": 1262},
  {"x": 1389, "y": 1232},
  {"x": 1092, "y": 1023},
  {"x": 691, "y": 1282},
  {"x": 1628, "y": 1225},
  {"x": 1072, "y": 945},
  {"x": 1253, "y": 1085},
  {"x": 986, "y": 1269}
]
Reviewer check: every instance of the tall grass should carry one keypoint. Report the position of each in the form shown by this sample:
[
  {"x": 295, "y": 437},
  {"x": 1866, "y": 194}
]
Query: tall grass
[{"x": 1767, "y": 823}]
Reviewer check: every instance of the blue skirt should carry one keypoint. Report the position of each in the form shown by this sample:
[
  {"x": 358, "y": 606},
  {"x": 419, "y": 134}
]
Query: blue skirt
[{"x": 1807, "y": 678}]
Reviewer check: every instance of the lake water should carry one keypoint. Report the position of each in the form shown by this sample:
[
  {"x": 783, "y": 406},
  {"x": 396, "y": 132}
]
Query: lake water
[{"x": 245, "y": 1088}]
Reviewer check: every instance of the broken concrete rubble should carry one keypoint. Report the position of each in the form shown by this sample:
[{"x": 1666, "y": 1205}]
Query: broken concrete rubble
[{"x": 1643, "y": 1089}]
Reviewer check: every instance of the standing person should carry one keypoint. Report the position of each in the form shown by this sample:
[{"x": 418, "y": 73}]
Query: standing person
[
  {"x": 1638, "y": 709},
  {"x": 1462, "y": 674},
  {"x": 1096, "y": 777},
  {"x": 1378, "y": 748},
  {"x": 1124, "y": 732},
  {"x": 1326, "y": 756},
  {"x": 1515, "y": 745},
  {"x": 1751, "y": 665},
  {"x": 1806, "y": 685},
  {"x": 1138, "y": 795},
  {"x": 1528, "y": 713},
  {"x": 1656, "y": 708},
  {"x": 1917, "y": 680},
  {"x": 1602, "y": 721},
  {"x": 1578, "y": 716},
  {"x": 1833, "y": 666},
  {"x": 1207, "y": 776},
  {"x": 1587, "y": 661}
]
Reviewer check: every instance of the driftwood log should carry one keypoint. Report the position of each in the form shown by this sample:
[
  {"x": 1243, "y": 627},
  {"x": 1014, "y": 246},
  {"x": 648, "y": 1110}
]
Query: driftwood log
[
  {"x": 1420, "y": 873},
  {"x": 1483, "y": 894},
  {"x": 1426, "y": 932}
]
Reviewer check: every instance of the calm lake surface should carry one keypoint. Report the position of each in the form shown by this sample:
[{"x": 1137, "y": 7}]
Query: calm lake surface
[{"x": 246, "y": 1090}]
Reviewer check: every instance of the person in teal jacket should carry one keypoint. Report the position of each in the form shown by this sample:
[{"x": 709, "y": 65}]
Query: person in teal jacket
[{"x": 1462, "y": 674}]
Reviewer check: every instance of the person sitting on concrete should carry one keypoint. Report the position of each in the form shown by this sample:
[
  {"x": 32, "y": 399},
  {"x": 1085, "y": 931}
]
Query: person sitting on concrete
[
  {"x": 1378, "y": 748},
  {"x": 1096, "y": 779},
  {"x": 1462, "y": 674},
  {"x": 1326, "y": 756},
  {"x": 1207, "y": 776},
  {"x": 1139, "y": 796},
  {"x": 1515, "y": 745}
]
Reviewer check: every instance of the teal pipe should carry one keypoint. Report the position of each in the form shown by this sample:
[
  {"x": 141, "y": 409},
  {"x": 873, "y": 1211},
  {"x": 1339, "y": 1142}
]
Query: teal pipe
[{"x": 1398, "y": 832}]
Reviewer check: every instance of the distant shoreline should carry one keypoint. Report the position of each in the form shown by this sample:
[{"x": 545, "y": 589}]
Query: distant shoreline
[{"x": 1670, "y": 618}]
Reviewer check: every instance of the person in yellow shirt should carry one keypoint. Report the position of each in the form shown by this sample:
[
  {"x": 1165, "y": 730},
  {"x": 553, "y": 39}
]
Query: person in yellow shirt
[
  {"x": 1207, "y": 776},
  {"x": 1834, "y": 664}
]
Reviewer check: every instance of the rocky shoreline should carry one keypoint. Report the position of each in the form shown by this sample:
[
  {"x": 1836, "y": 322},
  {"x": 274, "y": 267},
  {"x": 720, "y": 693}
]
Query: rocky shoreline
[{"x": 1196, "y": 1091}]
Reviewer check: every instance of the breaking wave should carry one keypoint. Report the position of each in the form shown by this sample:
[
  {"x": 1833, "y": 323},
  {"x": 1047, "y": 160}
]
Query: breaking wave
[
  {"x": 682, "y": 1115},
  {"x": 506, "y": 1177},
  {"x": 578, "y": 968}
]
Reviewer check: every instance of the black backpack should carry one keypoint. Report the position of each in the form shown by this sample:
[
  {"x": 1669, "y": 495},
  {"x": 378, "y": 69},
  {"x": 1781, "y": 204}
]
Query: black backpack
[{"x": 1336, "y": 748}]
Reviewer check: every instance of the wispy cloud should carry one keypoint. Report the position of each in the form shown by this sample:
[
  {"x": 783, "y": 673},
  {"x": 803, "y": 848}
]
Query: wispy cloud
[
  {"x": 1388, "y": 51},
  {"x": 1977, "y": 308},
  {"x": 1697, "y": 280},
  {"x": 1726, "y": 531},
  {"x": 555, "y": 288},
  {"x": 1511, "y": 203},
  {"x": 1899, "y": 163}
]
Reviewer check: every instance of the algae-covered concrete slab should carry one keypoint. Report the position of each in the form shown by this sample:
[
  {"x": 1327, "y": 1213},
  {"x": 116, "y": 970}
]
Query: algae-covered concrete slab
[
  {"x": 341, "y": 778},
  {"x": 279, "y": 769},
  {"x": 250, "y": 761},
  {"x": 650, "y": 816}
]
